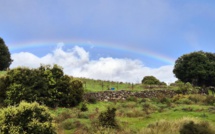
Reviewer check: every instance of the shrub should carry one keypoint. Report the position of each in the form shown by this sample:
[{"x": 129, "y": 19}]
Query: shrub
[
  {"x": 26, "y": 118},
  {"x": 192, "y": 128},
  {"x": 107, "y": 118},
  {"x": 84, "y": 107}
]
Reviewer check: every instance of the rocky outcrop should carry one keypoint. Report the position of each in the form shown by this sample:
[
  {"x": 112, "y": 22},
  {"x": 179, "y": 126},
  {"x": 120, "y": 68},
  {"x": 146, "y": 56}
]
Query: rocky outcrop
[{"x": 122, "y": 94}]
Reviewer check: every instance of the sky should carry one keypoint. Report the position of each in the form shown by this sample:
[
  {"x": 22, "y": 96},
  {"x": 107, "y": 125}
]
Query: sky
[{"x": 113, "y": 40}]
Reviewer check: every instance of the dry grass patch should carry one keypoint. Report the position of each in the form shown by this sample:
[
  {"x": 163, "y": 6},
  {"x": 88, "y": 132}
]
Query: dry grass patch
[{"x": 172, "y": 127}]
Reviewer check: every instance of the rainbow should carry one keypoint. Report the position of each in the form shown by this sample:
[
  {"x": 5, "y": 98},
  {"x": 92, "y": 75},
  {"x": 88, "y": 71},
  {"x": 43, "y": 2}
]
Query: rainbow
[{"x": 126, "y": 48}]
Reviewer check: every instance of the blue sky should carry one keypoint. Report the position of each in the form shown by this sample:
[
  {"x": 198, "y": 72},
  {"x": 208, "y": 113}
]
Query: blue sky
[{"x": 154, "y": 33}]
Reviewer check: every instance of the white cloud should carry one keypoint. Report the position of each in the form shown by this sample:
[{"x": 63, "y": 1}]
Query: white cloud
[{"x": 76, "y": 62}]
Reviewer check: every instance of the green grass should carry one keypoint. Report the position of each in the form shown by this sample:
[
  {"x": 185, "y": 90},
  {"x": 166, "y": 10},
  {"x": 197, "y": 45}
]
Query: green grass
[
  {"x": 91, "y": 85},
  {"x": 132, "y": 116}
]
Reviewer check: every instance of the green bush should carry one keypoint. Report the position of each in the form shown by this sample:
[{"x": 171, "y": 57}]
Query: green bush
[
  {"x": 84, "y": 107},
  {"x": 192, "y": 128},
  {"x": 46, "y": 85},
  {"x": 107, "y": 118},
  {"x": 26, "y": 118}
]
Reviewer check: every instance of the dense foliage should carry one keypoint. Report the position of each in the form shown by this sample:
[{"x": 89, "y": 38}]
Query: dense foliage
[
  {"x": 5, "y": 59},
  {"x": 107, "y": 118},
  {"x": 151, "y": 80},
  {"x": 27, "y": 118},
  {"x": 46, "y": 85},
  {"x": 197, "y": 68}
]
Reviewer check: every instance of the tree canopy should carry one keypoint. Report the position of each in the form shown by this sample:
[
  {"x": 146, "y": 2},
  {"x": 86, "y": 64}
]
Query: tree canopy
[
  {"x": 151, "y": 80},
  {"x": 197, "y": 68},
  {"x": 46, "y": 85},
  {"x": 5, "y": 59}
]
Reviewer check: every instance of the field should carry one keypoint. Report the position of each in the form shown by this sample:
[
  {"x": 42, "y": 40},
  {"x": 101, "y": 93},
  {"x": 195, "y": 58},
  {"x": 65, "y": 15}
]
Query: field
[
  {"x": 91, "y": 85},
  {"x": 160, "y": 115},
  {"x": 136, "y": 115}
]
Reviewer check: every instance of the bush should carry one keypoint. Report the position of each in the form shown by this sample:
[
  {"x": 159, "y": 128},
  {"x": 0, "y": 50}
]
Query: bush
[
  {"x": 46, "y": 85},
  {"x": 192, "y": 128},
  {"x": 26, "y": 118},
  {"x": 107, "y": 119},
  {"x": 84, "y": 107}
]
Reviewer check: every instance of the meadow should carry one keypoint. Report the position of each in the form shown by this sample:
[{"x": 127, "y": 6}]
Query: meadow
[
  {"x": 139, "y": 115},
  {"x": 160, "y": 115},
  {"x": 91, "y": 85}
]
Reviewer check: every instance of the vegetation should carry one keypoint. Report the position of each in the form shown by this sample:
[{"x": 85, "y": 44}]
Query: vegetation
[
  {"x": 46, "y": 85},
  {"x": 107, "y": 119},
  {"x": 186, "y": 112},
  {"x": 196, "y": 68},
  {"x": 26, "y": 118},
  {"x": 140, "y": 115},
  {"x": 5, "y": 59},
  {"x": 191, "y": 127},
  {"x": 151, "y": 80}
]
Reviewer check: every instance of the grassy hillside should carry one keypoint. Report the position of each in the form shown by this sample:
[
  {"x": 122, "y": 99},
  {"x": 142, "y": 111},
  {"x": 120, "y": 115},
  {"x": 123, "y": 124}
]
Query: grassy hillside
[
  {"x": 91, "y": 85},
  {"x": 148, "y": 116}
]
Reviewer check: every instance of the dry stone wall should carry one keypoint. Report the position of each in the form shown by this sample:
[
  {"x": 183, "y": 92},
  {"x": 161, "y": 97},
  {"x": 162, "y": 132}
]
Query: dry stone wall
[{"x": 122, "y": 94}]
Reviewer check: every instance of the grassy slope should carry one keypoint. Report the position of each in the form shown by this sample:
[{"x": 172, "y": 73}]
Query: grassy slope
[
  {"x": 131, "y": 115},
  {"x": 91, "y": 85}
]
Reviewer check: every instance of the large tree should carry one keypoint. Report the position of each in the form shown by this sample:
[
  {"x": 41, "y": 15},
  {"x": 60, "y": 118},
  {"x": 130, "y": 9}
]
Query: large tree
[
  {"x": 5, "y": 59},
  {"x": 197, "y": 68}
]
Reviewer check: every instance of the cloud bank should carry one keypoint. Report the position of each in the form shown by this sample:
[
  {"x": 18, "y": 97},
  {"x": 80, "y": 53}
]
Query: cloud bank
[{"x": 76, "y": 62}]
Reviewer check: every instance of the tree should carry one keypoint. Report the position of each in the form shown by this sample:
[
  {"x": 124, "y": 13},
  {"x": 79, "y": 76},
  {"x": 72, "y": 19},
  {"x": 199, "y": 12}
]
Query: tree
[
  {"x": 46, "y": 85},
  {"x": 26, "y": 118},
  {"x": 150, "y": 80},
  {"x": 197, "y": 68},
  {"x": 5, "y": 59}
]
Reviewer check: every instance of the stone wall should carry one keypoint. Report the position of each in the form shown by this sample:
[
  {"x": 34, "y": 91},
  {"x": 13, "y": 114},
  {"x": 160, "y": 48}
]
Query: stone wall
[{"x": 122, "y": 94}]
